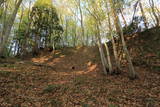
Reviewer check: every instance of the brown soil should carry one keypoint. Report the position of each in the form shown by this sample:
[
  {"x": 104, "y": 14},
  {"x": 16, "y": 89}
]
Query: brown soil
[
  {"x": 73, "y": 77},
  {"x": 76, "y": 80}
]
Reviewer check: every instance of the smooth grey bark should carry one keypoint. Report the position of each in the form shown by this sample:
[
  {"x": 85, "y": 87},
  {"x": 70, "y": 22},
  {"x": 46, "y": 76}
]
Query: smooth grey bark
[
  {"x": 109, "y": 59},
  {"x": 125, "y": 22},
  {"x": 151, "y": 2},
  {"x": 158, "y": 12},
  {"x": 1, "y": 2},
  {"x": 114, "y": 45},
  {"x": 4, "y": 20},
  {"x": 6, "y": 30},
  {"x": 143, "y": 14},
  {"x": 82, "y": 24},
  {"x": 118, "y": 67},
  {"x": 132, "y": 73},
  {"x": 98, "y": 38},
  {"x": 152, "y": 17},
  {"x": 135, "y": 8},
  {"x": 24, "y": 44},
  {"x": 100, "y": 46},
  {"x": 66, "y": 33},
  {"x": 75, "y": 33}
]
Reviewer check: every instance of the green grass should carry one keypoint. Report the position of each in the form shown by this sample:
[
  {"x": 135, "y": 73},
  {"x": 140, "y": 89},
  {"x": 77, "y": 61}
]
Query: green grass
[
  {"x": 85, "y": 105},
  {"x": 113, "y": 105},
  {"x": 7, "y": 65},
  {"x": 51, "y": 88},
  {"x": 112, "y": 99},
  {"x": 79, "y": 80},
  {"x": 5, "y": 73},
  {"x": 55, "y": 103}
]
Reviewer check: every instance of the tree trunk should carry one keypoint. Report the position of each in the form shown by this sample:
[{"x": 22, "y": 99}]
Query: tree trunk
[
  {"x": 1, "y": 2},
  {"x": 87, "y": 39},
  {"x": 35, "y": 48},
  {"x": 82, "y": 25},
  {"x": 125, "y": 22},
  {"x": 114, "y": 44},
  {"x": 75, "y": 35},
  {"x": 100, "y": 46},
  {"x": 143, "y": 15},
  {"x": 109, "y": 59},
  {"x": 152, "y": 17},
  {"x": 7, "y": 29},
  {"x": 135, "y": 8},
  {"x": 151, "y": 2},
  {"x": 4, "y": 14},
  {"x": 132, "y": 73},
  {"x": 158, "y": 12},
  {"x": 66, "y": 34},
  {"x": 24, "y": 44}
]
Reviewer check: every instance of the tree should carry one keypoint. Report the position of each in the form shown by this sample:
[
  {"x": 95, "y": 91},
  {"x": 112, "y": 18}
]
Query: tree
[
  {"x": 1, "y": 2},
  {"x": 151, "y": 2},
  {"x": 98, "y": 18},
  {"x": 118, "y": 68},
  {"x": 119, "y": 8},
  {"x": 79, "y": 5},
  {"x": 143, "y": 15},
  {"x": 44, "y": 25},
  {"x": 7, "y": 29},
  {"x": 132, "y": 73}
]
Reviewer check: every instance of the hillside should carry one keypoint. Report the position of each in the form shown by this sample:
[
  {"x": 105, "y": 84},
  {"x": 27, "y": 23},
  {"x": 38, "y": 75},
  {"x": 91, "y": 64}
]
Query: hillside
[
  {"x": 73, "y": 77},
  {"x": 145, "y": 48}
]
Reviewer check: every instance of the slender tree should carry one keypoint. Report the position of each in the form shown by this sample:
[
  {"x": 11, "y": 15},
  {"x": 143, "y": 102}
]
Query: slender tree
[
  {"x": 81, "y": 20},
  {"x": 143, "y": 15},
  {"x": 113, "y": 41},
  {"x": 7, "y": 29},
  {"x": 151, "y": 2},
  {"x": 109, "y": 59},
  {"x": 132, "y": 73}
]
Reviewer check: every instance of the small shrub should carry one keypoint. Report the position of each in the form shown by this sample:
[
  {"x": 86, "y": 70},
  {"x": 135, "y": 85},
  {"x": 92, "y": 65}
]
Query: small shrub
[
  {"x": 55, "y": 103},
  {"x": 79, "y": 80},
  {"x": 5, "y": 73},
  {"x": 7, "y": 65},
  {"x": 150, "y": 102},
  {"x": 113, "y": 105},
  {"x": 85, "y": 105},
  {"x": 112, "y": 99},
  {"x": 51, "y": 88}
]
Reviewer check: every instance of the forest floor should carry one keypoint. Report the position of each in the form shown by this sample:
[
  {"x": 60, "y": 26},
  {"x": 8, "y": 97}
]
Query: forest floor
[{"x": 74, "y": 78}]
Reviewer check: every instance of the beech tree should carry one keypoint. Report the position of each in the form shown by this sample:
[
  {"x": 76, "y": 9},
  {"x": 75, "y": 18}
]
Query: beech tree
[
  {"x": 151, "y": 2},
  {"x": 8, "y": 25},
  {"x": 143, "y": 14},
  {"x": 132, "y": 73},
  {"x": 118, "y": 68}
]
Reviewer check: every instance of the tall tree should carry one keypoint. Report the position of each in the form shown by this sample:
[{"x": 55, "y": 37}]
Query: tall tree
[
  {"x": 79, "y": 4},
  {"x": 143, "y": 15},
  {"x": 1, "y": 2},
  {"x": 132, "y": 73},
  {"x": 45, "y": 25},
  {"x": 98, "y": 16},
  {"x": 7, "y": 29},
  {"x": 118, "y": 68},
  {"x": 151, "y": 2}
]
